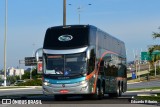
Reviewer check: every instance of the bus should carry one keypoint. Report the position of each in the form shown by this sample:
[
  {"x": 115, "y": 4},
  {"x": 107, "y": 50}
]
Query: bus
[{"x": 83, "y": 60}]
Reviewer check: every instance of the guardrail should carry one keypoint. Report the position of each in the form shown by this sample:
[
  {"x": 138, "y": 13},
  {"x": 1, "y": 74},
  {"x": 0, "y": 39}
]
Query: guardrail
[{"x": 138, "y": 73}]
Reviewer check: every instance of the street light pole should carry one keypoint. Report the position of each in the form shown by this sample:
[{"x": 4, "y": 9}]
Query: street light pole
[
  {"x": 33, "y": 62},
  {"x": 5, "y": 43},
  {"x": 79, "y": 16},
  {"x": 79, "y": 10},
  {"x": 64, "y": 12}
]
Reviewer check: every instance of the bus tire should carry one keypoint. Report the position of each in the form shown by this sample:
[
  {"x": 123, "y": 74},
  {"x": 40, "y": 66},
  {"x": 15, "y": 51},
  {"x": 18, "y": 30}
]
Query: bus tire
[
  {"x": 99, "y": 94},
  {"x": 118, "y": 93}
]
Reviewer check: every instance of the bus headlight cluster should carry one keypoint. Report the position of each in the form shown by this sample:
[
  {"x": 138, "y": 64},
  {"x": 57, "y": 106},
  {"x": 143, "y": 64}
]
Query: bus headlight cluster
[
  {"x": 84, "y": 88},
  {"x": 83, "y": 82},
  {"x": 47, "y": 83}
]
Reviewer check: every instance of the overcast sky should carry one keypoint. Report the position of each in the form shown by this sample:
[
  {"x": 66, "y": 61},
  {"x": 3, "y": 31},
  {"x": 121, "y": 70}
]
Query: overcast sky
[{"x": 131, "y": 21}]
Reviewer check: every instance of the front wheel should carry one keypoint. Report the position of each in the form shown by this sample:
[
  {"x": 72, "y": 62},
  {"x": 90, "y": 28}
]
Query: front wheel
[{"x": 99, "y": 94}]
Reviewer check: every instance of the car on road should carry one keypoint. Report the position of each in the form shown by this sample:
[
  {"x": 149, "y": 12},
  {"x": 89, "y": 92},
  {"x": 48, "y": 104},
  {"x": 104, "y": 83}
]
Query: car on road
[
  {"x": 19, "y": 81},
  {"x": 8, "y": 83}
]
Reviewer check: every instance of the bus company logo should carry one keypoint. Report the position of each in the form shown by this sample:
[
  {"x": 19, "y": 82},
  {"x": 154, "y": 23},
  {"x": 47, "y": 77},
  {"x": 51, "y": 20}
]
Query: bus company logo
[{"x": 65, "y": 38}]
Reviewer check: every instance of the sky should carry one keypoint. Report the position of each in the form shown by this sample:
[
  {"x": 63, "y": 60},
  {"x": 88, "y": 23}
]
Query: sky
[{"x": 132, "y": 21}]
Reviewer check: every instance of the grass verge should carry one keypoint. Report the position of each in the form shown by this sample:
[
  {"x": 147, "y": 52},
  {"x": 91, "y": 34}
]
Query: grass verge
[{"x": 149, "y": 98}]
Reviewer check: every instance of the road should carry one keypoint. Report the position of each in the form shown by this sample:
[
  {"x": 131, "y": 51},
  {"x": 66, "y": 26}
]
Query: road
[
  {"x": 80, "y": 102},
  {"x": 20, "y": 94},
  {"x": 39, "y": 91},
  {"x": 144, "y": 84}
]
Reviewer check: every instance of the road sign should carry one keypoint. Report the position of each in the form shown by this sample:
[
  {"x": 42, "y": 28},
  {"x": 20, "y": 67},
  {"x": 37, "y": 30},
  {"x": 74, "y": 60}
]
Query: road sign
[
  {"x": 39, "y": 67},
  {"x": 31, "y": 61},
  {"x": 147, "y": 56}
]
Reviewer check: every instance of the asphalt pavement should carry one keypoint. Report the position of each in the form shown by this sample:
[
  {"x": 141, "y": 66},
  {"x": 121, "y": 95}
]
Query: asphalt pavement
[
  {"x": 22, "y": 94},
  {"x": 144, "y": 85}
]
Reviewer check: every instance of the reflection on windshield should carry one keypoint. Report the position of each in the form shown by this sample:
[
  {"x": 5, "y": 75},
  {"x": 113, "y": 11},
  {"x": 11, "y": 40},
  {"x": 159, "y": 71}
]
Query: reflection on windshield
[{"x": 66, "y": 65}]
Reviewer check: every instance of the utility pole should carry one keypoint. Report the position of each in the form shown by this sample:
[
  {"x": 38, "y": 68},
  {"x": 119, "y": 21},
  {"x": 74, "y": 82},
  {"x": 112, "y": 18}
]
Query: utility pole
[
  {"x": 64, "y": 12},
  {"x": 5, "y": 43},
  {"x": 79, "y": 15},
  {"x": 79, "y": 9}
]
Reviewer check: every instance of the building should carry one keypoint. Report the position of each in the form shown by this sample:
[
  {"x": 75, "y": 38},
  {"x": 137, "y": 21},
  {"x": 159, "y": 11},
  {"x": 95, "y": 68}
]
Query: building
[{"x": 15, "y": 72}]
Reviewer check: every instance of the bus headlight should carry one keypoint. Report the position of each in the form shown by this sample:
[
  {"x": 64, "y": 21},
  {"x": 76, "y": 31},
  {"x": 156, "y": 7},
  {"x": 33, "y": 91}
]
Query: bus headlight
[
  {"x": 84, "y": 88},
  {"x": 83, "y": 82},
  {"x": 47, "y": 83}
]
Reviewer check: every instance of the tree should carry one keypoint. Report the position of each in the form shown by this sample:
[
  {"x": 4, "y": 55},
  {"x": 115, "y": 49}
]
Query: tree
[
  {"x": 12, "y": 79},
  {"x": 26, "y": 75},
  {"x": 155, "y": 35},
  {"x": 34, "y": 75}
]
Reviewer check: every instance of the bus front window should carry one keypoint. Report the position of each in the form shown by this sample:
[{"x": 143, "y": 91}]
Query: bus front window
[
  {"x": 54, "y": 64},
  {"x": 66, "y": 65},
  {"x": 75, "y": 64}
]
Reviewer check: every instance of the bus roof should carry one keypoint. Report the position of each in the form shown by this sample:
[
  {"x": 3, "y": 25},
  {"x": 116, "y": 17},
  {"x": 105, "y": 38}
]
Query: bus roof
[{"x": 84, "y": 26}]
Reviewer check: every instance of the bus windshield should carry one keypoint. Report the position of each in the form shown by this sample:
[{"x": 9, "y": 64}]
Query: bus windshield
[{"x": 65, "y": 65}]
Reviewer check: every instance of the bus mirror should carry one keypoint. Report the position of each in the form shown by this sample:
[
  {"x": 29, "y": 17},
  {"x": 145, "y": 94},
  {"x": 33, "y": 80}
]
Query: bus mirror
[
  {"x": 88, "y": 54},
  {"x": 37, "y": 54},
  {"x": 39, "y": 61}
]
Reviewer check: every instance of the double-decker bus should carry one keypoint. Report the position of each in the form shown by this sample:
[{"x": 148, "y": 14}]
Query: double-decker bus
[{"x": 83, "y": 60}]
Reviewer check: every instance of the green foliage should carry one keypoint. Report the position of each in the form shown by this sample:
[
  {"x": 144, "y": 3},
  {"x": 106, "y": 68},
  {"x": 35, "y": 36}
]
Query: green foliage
[
  {"x": 154, "y": 47},
  {"x": 26, "y": 75},
  {"x": 12, "y": 79},
  {"x": 156, "y": 35},
  {"x": 34, "y": 75},
  {"x": 151, "y": 98},
  {"x": 152, "y": 72},
  {"x": 36, "y": 82}
]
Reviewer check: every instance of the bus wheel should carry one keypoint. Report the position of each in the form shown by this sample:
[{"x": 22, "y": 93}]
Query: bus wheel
[
  {"x": 99, "y": 93},
  {"x": 96, "y": 95},
  {"x": 118, "y": 93}
]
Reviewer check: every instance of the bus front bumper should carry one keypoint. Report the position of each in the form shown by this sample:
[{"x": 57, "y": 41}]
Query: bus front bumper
[{"x": 67, "y": 89}]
